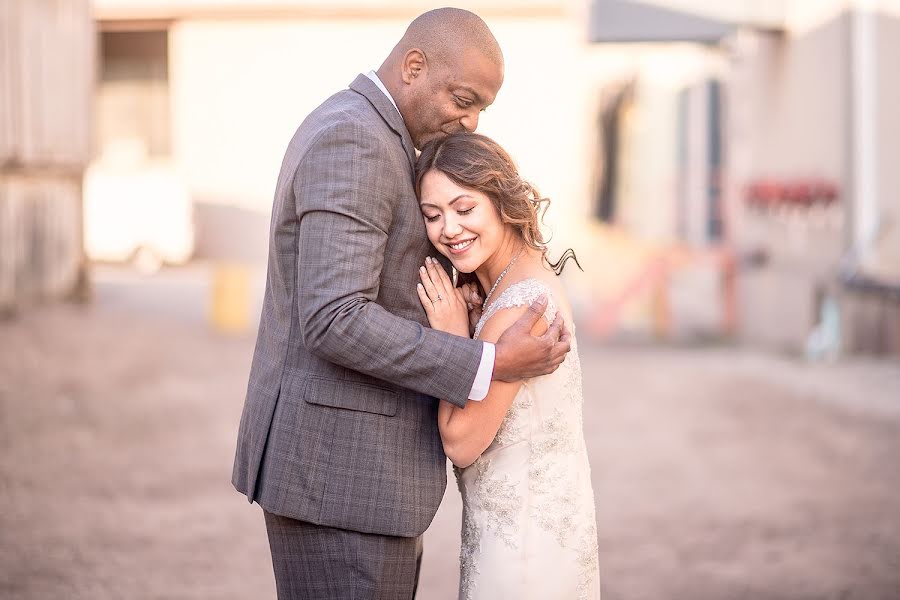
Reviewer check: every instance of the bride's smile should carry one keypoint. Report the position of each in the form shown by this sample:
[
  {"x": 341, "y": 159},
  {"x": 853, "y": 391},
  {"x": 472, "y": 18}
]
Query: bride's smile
[{"x": 457, "y": 248}]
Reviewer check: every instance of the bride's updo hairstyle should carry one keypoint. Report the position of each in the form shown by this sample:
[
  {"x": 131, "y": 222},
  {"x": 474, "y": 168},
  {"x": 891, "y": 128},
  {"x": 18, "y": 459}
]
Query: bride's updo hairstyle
[{"x": 479, "y": 163}]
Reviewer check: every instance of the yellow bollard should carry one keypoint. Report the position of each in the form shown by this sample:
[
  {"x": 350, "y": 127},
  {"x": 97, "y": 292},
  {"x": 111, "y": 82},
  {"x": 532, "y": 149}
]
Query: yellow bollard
[
  {"x": 230, "y": 304},
  {"x": 662, "y": 311}
]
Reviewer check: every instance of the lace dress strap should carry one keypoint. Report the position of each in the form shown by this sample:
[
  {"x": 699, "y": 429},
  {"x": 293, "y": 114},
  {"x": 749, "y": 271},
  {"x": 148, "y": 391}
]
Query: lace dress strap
[{"x": 521, "y": 293}]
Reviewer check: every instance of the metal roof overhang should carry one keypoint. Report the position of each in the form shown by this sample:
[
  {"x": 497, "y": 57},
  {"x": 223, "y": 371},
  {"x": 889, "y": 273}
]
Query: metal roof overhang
[{"x": 618, "y": 21}]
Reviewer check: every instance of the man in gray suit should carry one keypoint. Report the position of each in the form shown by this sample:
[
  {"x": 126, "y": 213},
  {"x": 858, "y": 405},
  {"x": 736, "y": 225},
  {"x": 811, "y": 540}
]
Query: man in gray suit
[{"x": 338, "y": 440}]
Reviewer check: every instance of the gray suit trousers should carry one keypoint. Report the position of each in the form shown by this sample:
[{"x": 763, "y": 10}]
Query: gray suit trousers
[{"x": 315, "y": 562}]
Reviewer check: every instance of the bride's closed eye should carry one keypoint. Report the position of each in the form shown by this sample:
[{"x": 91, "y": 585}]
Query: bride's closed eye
[{"x": 433, "y": 218}]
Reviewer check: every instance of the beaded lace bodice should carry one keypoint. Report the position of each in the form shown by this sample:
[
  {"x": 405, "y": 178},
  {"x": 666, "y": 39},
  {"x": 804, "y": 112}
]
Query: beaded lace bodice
[
  {"x": 519, "y": 293},
  {"x": 527, "y": 501}
]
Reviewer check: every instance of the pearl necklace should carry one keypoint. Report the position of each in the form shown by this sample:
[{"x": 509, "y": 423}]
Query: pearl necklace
[{"x": 502, "y": 275}]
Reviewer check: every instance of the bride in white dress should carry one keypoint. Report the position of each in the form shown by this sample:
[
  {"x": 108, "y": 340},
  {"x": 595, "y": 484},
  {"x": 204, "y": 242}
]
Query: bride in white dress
[{"x": 529, "y": 527}]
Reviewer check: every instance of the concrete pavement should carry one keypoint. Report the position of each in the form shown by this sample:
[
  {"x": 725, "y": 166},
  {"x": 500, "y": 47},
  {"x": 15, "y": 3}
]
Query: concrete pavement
[{"x": 719, "y": 473}]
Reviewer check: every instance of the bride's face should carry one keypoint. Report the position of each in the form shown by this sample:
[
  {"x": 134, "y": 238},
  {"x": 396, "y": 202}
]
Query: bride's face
[{"x": 462, "y": 223}]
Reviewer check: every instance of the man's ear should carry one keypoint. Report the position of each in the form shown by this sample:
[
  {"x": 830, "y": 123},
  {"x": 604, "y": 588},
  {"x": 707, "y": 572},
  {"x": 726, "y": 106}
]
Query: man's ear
[{"x": 414, "y": 65}]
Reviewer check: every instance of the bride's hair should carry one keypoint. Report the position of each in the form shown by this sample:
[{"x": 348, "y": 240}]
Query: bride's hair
[{"x": 479, "y": 163}]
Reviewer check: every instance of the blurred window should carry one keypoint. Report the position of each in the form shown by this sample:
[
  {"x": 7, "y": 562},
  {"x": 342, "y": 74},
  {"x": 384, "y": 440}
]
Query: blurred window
[
  {"x": 699, "y": 155},
  {"x": 133, "y": 95},
  {"x": 714, "y": 197},
  {"x": 610, "y": 139}
]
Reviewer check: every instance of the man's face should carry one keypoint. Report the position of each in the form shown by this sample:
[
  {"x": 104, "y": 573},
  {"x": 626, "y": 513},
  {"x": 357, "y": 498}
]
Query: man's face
[{"x": 448, "y": 98}]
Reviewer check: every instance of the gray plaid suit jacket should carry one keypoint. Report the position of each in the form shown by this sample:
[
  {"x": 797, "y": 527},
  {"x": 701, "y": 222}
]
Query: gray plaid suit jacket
[{"x": 339, "y": 426}]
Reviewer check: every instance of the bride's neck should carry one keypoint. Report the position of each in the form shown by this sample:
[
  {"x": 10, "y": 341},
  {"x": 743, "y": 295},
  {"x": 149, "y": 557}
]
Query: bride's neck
[{"x": 512, "y": 248}]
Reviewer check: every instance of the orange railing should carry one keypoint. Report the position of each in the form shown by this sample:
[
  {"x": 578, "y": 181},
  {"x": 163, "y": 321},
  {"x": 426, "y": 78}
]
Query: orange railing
[{"x": 653, "y": 277}]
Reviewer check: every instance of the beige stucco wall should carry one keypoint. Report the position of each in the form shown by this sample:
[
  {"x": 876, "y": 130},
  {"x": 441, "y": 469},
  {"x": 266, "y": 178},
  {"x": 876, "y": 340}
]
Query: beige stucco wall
[
  {"x": 240, "y": 89},
  {"x": 888, "y": 93},
  {"x": 789, "y": 122},
  {"x": 791, "y": 116}
]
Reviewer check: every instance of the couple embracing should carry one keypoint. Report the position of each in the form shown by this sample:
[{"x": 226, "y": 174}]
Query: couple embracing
[{"x": 372, "y": 367}]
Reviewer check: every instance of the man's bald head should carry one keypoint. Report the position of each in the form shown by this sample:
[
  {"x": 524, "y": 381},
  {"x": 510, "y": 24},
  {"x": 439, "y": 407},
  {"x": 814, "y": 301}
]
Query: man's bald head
[
  {"x": 446, "y": 69},
  {"x": 444, "y": 33}
]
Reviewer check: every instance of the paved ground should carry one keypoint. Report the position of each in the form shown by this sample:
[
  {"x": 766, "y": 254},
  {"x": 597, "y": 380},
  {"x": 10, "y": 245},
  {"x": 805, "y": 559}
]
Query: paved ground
[{"x": 719, "y": 473}]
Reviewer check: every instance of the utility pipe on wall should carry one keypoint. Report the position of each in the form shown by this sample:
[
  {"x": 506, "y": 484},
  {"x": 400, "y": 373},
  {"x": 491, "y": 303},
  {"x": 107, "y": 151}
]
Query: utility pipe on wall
[{"x": 864, "y": 99}]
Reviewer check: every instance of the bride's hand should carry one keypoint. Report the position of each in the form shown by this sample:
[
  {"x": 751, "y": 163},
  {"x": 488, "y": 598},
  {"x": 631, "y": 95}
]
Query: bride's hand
[
  {"x": 444, "y": 304},
  {"x": 474, "y": 303}
]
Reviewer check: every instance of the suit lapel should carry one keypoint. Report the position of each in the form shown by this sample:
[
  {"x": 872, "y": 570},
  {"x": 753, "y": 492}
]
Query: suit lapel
[{"x": 366, "y": 87}]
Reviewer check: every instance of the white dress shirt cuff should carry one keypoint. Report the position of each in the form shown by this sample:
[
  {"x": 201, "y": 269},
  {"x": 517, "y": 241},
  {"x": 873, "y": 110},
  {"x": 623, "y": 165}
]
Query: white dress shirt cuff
[{"x": 482, "y": 382}]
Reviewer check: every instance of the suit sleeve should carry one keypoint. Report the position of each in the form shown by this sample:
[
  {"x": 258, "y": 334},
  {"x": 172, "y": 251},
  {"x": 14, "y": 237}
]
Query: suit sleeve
[{"x": 345, "y": 203}]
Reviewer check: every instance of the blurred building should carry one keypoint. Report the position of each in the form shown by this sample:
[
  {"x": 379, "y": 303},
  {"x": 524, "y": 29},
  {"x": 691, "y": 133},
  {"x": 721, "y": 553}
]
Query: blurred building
[
  {"x": 220, "y": 87},
  {"x": 46, "y": 74},
  {"x": 722, "y": 169},
  {"x": 776, "y": 152}
]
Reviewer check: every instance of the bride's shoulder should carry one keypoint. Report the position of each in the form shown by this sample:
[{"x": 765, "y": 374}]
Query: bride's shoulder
[
  {"x": 512, "y": 303},
  {"x": 525, "y": 291}
]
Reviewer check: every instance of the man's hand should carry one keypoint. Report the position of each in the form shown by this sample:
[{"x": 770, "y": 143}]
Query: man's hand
[{"x": 521, "y": 355}]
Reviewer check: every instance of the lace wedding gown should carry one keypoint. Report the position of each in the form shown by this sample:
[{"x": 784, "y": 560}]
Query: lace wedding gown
[{"x": 528, "y": 527}]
